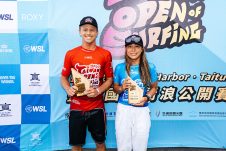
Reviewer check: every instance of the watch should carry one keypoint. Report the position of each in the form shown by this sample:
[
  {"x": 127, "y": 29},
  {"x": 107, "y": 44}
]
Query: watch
[{"x": 148, "y": 96}]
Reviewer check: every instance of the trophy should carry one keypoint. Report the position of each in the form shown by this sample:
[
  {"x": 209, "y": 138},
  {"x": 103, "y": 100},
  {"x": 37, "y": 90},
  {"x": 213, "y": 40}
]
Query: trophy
[
  {"x": 81, "y": 82},
  {"x": 110, "y": 95},
  {"x": 135, "y": 93}
]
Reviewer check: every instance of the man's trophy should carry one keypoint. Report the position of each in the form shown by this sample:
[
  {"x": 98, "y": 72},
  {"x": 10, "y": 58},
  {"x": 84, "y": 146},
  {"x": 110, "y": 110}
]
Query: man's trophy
[
  {"x": 81, "y": 82},
  {"x": 135, "y": 93}
]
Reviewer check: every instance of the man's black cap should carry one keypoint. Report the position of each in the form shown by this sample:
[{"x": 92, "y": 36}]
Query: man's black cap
[{"x": 89, "y": 20}]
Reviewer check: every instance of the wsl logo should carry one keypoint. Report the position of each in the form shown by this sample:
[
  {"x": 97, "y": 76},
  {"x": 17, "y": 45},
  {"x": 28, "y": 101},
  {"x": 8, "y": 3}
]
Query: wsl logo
[
  {"x": 6, "y": 17},
  {"x": 35, "y": 109},
  {"x": 33, "y": 49},
  {"x": 7, "y": 140}
]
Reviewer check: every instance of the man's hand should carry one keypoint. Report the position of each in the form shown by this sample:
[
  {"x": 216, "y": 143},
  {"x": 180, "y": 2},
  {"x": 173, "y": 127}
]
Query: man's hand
[
  {"x": 71, "y": 90},
  {"x": 92, "y": 92}
]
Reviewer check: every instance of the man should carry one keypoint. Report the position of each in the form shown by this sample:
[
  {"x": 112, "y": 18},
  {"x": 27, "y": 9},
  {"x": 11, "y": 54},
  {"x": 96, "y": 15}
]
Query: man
[{"x": 94, "y": 63}]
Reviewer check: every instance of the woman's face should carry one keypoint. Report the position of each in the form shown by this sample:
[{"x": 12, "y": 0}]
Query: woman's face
[{"x": 133, "y": 51}]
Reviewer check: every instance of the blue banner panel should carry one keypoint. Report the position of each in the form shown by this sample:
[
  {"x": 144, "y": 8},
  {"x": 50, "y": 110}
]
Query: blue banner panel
[
  {"x": 32, "y": 16},
  {"x": 35, "y": 109},
  {"x": 9, "y": 48},
  {"x": 34, "y": 48},
  {"x": 35, "y": 137},
  {"x": 10, "y": 79},
  {"x": 10, "y": 138}
]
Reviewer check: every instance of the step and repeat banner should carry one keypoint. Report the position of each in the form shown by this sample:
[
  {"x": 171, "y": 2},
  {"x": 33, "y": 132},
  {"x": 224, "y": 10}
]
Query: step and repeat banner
[{"x": 185, "y": 39}]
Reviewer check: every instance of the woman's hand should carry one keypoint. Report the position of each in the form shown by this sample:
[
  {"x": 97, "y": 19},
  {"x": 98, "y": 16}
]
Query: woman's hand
[
  {"x": 126, "y": 84},
  {"x": 142, "y": 101}
]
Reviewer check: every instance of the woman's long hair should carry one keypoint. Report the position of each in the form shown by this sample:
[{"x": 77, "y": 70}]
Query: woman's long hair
[{"x": 143, "y": 68}]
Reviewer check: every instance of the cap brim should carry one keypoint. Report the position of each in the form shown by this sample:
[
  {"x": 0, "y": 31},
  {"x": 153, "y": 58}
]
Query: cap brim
[
  {"x": 133, "y": 43},
  {"x": 86, "y": 24}
]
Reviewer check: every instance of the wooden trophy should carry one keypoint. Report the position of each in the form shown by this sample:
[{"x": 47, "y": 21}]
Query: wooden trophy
[
  {"x": 81, "y": 82},
  {"x": 135, "y": 93},
  {"x": 111, "y": 96}
]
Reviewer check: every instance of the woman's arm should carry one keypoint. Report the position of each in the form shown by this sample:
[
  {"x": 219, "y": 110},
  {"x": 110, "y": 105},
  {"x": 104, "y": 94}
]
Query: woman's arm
[
  {"x": 153, "y": 90},
  {"x": 120, "y": 88}
]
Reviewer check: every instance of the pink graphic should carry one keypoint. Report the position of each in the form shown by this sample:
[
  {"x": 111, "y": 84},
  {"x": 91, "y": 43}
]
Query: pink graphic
[
  {"x": 88, "y": 20},
  {"x": 112, "y": 2},
  {"x": 158, "y": 22},
  {"x": 113, "y": 40},
  {"x": 124, "y": 18}
]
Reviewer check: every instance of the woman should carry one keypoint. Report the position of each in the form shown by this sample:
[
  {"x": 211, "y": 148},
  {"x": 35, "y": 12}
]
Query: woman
[{"x": 133, "y": 120}]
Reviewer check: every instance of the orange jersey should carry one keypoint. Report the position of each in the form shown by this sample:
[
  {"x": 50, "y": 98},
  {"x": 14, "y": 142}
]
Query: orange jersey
[{"x": 94, "y": 65}]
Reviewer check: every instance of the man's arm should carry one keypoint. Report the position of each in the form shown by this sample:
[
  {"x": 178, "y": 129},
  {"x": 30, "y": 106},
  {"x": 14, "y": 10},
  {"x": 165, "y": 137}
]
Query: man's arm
[
  {"x": 92, "y": 92},
  {"x": 106, "y": 85},
  {"x": 66, "y": 85}
]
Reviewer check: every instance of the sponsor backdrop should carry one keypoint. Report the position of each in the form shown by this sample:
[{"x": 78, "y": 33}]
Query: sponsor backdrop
[{"x": 184, "y": 39}]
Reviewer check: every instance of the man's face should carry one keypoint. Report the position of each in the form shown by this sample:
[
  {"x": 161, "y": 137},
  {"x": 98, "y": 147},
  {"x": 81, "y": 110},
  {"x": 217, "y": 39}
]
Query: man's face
[{"x": 88, "y": 33}]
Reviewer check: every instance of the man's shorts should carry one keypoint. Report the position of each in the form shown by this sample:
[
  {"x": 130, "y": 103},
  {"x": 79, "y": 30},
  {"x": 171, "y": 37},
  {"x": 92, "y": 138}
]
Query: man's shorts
[{"x": 80, "y": 120}]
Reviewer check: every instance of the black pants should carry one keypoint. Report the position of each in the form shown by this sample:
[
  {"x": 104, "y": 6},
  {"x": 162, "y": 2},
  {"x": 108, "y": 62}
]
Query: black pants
[{"x": 80, "y": 120}]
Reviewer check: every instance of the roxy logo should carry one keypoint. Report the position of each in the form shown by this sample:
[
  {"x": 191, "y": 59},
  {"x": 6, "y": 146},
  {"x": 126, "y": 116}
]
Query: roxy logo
[
  {"x": 30, "y": 109},
  {"x": 32, "y": 17}
]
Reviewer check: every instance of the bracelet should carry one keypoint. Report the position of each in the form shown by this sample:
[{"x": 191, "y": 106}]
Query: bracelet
[{"x": 98, "y": 91}]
